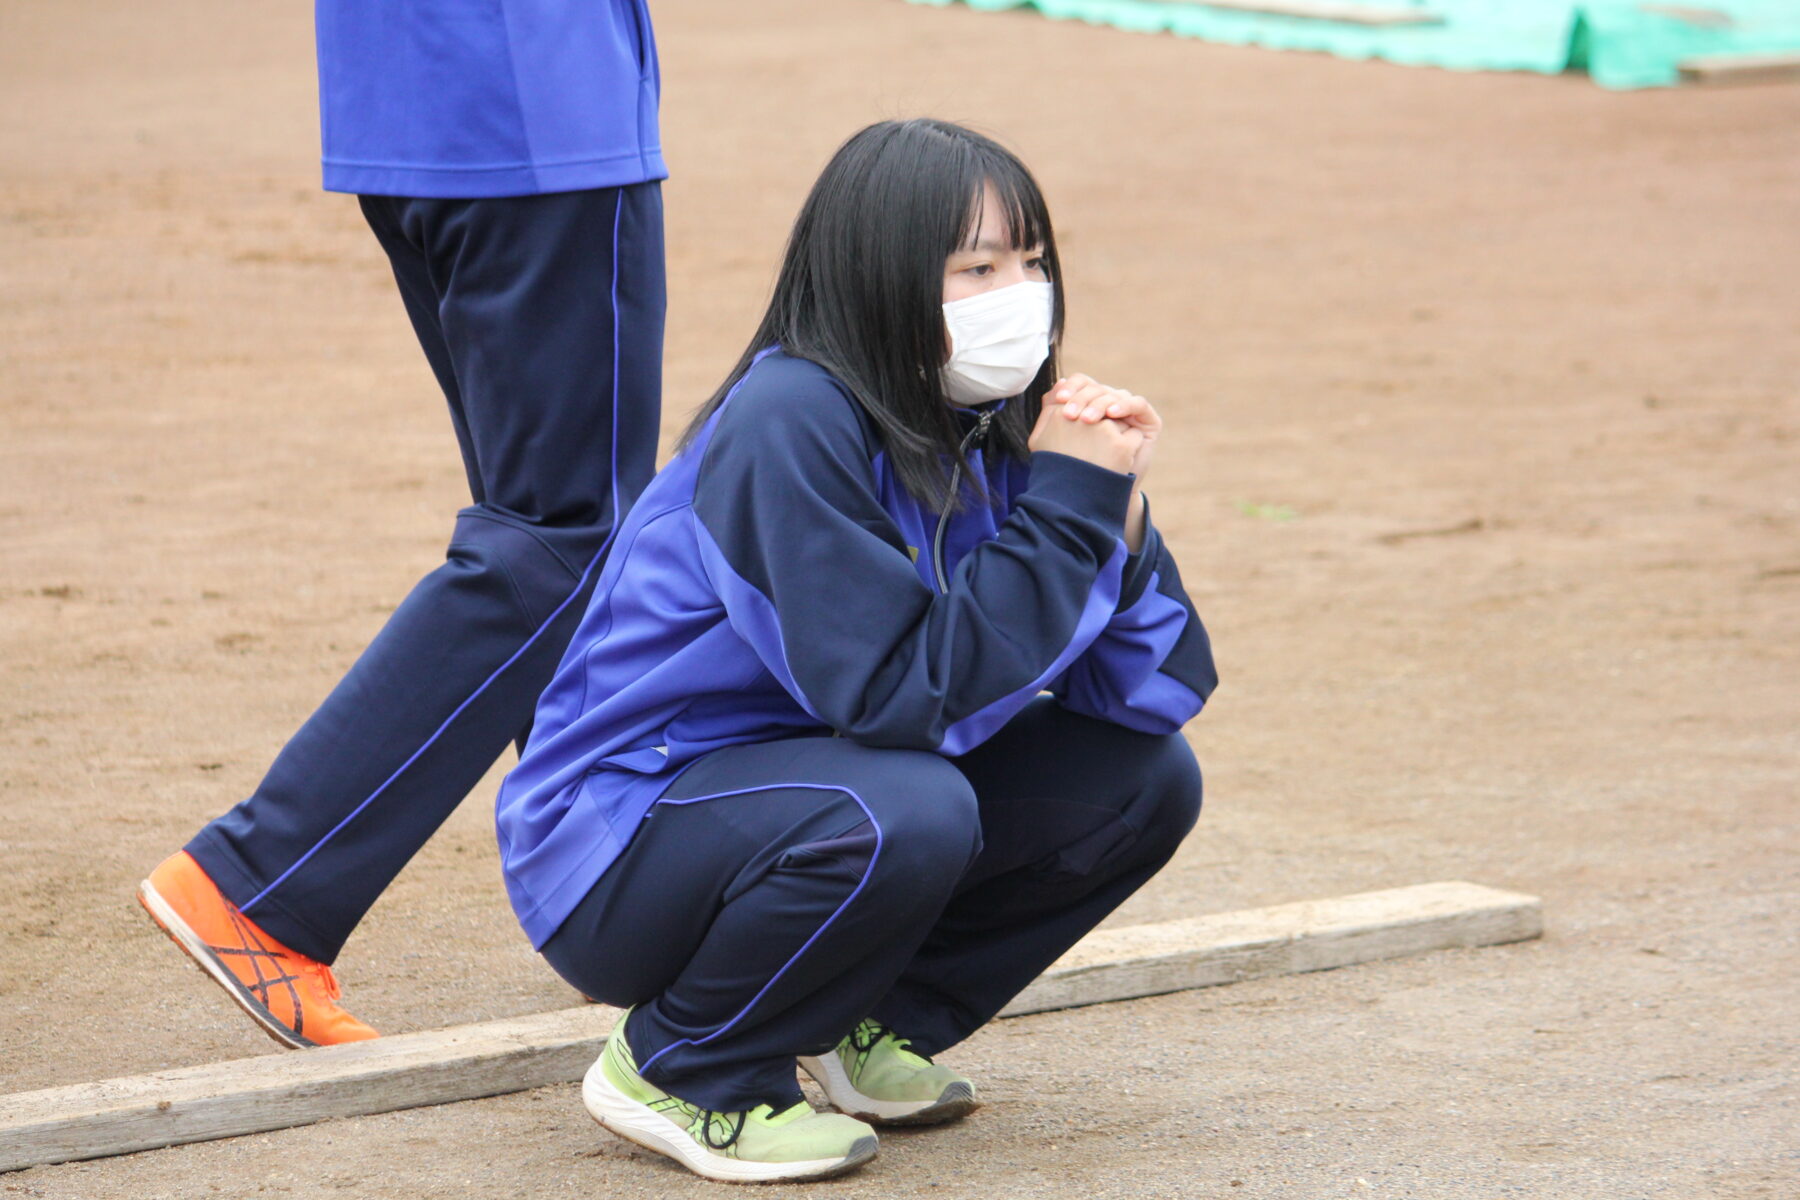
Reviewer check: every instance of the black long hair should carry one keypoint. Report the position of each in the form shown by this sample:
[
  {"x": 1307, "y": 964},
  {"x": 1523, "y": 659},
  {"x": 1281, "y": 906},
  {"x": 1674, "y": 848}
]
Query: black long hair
[{"x": 861, "y": 287}]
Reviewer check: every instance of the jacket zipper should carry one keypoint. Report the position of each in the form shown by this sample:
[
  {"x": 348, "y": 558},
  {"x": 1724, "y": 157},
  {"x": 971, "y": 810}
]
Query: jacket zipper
[{"x": 937, "y": 539}]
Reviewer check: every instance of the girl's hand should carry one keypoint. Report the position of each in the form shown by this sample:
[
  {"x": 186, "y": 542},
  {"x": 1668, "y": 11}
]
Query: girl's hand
[
  {"x": 1080, "y": 398},
  {"x": 1114, "y": 445}
]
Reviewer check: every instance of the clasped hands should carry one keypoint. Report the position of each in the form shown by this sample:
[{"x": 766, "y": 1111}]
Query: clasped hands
[{"x": 1106, "y": 426}]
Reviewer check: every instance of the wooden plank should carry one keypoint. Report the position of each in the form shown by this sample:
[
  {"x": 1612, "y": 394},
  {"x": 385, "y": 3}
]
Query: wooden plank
[
  {"x": 1315, "y": 935},
  {"x": 1711, "y": 18},
  {"x": 277, "y": 1091},
  {"x": 1324, "y": 10},
  {"x": 118, "y": 1116},
  {"x": 1740, "y": 68}
]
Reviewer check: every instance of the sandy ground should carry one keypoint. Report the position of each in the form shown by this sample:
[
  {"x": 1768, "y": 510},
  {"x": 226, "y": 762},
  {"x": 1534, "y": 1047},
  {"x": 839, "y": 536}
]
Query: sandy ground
[{"x": 1483, "y": 408}]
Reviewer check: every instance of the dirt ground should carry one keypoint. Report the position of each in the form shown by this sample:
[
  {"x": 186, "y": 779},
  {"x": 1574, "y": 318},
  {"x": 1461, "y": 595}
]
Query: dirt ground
[{"x": 1483, "y": 397}]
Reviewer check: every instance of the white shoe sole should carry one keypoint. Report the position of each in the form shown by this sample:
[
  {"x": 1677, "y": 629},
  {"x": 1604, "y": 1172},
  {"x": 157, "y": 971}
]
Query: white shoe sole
[
  {"x": 635, "y": 1122},
  {"x": 957, "y": 1100},
  {"x": 183, "y": 936}
]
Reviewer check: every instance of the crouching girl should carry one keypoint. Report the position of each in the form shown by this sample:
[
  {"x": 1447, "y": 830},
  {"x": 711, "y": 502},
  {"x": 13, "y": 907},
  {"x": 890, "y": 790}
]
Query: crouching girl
[{"x": 875, "y": 709}]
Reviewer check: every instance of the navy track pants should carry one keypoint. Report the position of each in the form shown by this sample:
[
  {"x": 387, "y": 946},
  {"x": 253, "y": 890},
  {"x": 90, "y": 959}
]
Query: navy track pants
[
  {"x": 782, "y": 891},
  {"x": 542, "y": 317}
]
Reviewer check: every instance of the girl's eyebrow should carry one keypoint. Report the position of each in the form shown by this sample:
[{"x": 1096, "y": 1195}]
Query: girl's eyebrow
[{"x": 992, "y": 246}]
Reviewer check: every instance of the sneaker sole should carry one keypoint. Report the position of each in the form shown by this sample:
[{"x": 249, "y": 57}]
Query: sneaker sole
[
  {"x": 955, "y": 1102},
  {"x": 196, "y": 949},
  {"x": 620, "y": 1114}
]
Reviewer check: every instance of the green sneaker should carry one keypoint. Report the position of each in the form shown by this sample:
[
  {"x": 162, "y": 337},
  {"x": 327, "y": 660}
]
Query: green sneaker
[
  {"x": 739, "y": 1147},
  {"x": 872, "y": 1075}
]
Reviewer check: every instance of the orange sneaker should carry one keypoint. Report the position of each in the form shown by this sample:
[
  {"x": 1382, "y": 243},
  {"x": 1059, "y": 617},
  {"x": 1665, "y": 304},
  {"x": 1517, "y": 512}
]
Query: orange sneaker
[{"x": 293, "y": 997}]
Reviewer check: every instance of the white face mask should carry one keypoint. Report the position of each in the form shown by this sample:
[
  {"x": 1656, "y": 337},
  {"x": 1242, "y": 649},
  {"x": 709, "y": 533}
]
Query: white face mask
[{"x": 998, "y": 340}]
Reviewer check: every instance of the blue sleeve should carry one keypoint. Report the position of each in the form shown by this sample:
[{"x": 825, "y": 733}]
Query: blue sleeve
[
  {"x": 815, "y": 575},
  {"x": 1151, "y": 669}
]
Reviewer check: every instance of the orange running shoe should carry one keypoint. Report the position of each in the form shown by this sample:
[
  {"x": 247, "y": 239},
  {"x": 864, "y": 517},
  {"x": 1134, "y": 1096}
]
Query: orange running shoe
[{"x": 293, "y": 997}]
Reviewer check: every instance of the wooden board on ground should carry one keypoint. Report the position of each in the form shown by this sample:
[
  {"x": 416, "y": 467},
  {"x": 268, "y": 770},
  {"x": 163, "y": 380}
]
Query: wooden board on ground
[
  {"x": 278, "y": 1091},
  {"x": 1324, "y": 10},
  {"x": 118, "y": 1116},
  {"x": 1314, "y": 935},
  {"x": 1741, "y": 68},
  {"x": 1711, "y": 18}
]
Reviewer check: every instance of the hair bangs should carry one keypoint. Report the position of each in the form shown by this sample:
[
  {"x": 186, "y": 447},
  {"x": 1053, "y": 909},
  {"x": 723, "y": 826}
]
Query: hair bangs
[{"x": 1022, "y": 204}]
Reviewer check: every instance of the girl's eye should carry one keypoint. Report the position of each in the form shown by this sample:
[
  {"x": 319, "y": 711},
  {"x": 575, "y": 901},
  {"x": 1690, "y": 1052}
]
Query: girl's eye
[
  {"x": 980, "y": 269},
  {"x": 1037, "y": 264}
]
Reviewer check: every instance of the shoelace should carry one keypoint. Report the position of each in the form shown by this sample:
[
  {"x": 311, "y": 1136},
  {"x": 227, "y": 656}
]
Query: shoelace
[
  {"x": 866, "y": 1034},
  {"x": 324, "y": 975},
  {"x": 870, "y": 1033},
  {"x": 735, "y": 1120},
  {"x": 700, "y": 1122}
]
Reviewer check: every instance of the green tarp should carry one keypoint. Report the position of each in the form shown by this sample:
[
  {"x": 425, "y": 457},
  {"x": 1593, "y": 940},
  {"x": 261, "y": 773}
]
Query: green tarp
[{"x": 1619, "y": 43}]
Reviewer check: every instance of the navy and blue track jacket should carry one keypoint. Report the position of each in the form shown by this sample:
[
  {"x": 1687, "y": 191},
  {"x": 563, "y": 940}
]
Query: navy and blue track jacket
[{"x": 775, "y": 579}]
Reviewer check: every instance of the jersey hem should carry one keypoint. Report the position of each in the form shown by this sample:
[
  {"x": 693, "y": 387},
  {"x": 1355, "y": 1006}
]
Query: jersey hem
[{"x": 481, "y": 183}]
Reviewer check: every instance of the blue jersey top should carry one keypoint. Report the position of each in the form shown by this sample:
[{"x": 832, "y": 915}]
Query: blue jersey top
[
  {"x": 465, "y": 99},
  {"x": 775, "y": 579}
]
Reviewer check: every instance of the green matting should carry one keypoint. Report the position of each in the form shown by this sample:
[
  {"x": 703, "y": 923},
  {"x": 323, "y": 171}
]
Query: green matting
[{"x": 1618, "y": 43}]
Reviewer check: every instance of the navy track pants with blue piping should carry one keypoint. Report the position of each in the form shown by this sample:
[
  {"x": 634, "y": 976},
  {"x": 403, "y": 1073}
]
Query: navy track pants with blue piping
[
  {"x": 542, "y": 317},
  {"x": 782, "y": 891}
]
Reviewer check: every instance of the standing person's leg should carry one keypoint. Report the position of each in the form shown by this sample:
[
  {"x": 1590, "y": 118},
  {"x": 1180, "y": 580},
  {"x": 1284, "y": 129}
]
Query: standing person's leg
[
  {"x": 1076, "y": 815},
  {"x": 542, "y": 317},
  {"x": 770, "y": 897}
]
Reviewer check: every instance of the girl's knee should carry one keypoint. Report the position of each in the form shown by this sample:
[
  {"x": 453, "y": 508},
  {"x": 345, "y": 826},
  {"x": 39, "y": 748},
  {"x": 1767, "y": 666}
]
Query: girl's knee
[
  {"x": 930, "y": 824},
  {"x": 1172, "y": 788}
]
